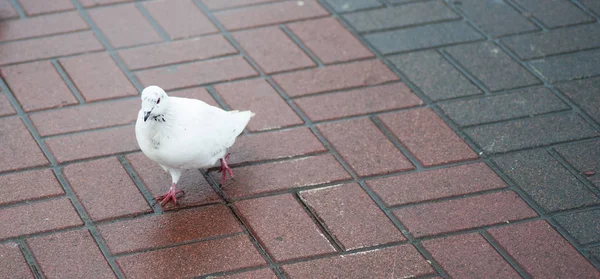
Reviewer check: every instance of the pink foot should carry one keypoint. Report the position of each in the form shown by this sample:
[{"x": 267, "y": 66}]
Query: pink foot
[
  {"x": 225, "y": 169},
  {"x": 169, "y": 195}
]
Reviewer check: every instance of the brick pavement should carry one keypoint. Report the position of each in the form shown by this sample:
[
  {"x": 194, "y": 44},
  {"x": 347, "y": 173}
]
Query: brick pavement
[{"x": 393, "y": 139}]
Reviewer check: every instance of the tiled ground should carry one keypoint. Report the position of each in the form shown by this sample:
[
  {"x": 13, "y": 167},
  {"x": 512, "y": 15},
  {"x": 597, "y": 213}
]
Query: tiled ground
[{"x": 393, "y": 139}]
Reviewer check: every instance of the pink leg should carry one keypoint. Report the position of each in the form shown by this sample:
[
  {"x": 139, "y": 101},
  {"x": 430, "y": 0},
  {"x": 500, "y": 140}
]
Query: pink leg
[
  {"x": 225, "y": 169},
  {"x": 169, "y": 195}
]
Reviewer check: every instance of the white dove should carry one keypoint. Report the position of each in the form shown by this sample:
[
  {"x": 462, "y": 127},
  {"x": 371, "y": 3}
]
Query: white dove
[{"x": 182, "y": 133}]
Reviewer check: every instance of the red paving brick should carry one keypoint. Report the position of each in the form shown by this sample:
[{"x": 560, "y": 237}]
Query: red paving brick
[
  {"x": 5, "y": 107},
  {"x": 335, "y": 77},
  {"x": 364, "y": 147},
  {"x": 176, "y": 52},
  {"x": 48, "y": 47},
  {"x": 257, "y": 95},
  {"x": 351, "y": 216},
  {"x": 71, "y": 254},
  {"x": 359, "y": 101},
  {"x": 98, "y": 77},
  {"x": 264, "y": 273},
  {"x": 427, "y": 137},
  {"x": 462, "y": 214},
  {"x": 94, "y": 3},
  {"x": 38, "y": 217},
  {"x": 273, "y": 50},
  {"x": 195, "y": 93},
  {"x": 12, "y": 262},
  {"x": 124, "y": 25},
  {"x": 105, "y": 189},
  {"x": 26, "y": 81},
  {"x": 42, "y": 26},
  {"x": 183, "y": 20},
  {"x": 469, "y": 256},
  {"x": 295, "y": 236},
  {"x": 402, "y": 261},
  {"x": 197, "y": 73},
  {"x": 170, "y": 228},
  {"x": 268, "y": 14},
  {"x": 329, "y": 40},
  {"x": 7, "y": 11},
  {"x": 157, "y": 181},
  {"x": 275, "y": 145},
  {"x": 542, "y": 252},
  {"x": 220, "y": 4},
  {"x": 435, "y": 184},
  {"x": 196, "y": 259},
  {"x": 258, "y": 179},
  {"x": 18, "y": 149},
  {"x": 35, "y": 7},
  {"x": 93, "y": 144},
  {"x": 30, "y": 185}
]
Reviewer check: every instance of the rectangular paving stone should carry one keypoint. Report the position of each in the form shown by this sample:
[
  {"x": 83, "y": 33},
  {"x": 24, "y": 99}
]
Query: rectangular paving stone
[
  {"x": 341, "y": 6},
  {"x": 199, "y": 93},
  {"x": 555, "y": 13},
  {"x": 392, "y": 262},
  {"x": 496, "y": 17},
  {"x": 427, "y": 137},
  {"x": 86, "y": 145},
  {"x": 257, "y": 95},
  {"x": 35, "y": 7},
  {"x": 12, "y": 260},
  {"x": 465, "y": 213},
  {"x": 434, "y": 75},
  {"x": 27, "y": 81},
  {"x": 568, "y": 66},
  {"x": 19, "y": 150},
  {"x": 273, "y": 50},
  {"x": 492, "y": 108},
  {"x": 183, "y": 226},
  {"x": 294, "y": 237},
  {"x": 400, "y": 16},
  {"x": 197, "y": 190},
  {"x": 95, "y": 3},
  {"x": 469, "y": 256},
  {"x": 30, "y": 218},
  {"x": 98, "y": 77},
  {"x": 42, "y": 26},
  {"x": 329, "y": 40},
  {"x": 542, "y": 252},
  {"x": 197, "y": 73},
  {"x": 425, "y": 36},
  {"x": 530, "y": 132},
  {"x": 270, "y": 14},
  {"x": 335, "y": 77},
  {"x": 364, "y": 147},
  {"x": 592, "y": 5},
  {"x": 183, "y": 20},
  {"x": 47, "y": 47},
  {"x": 351, "y": 216},
  {"x": 5, "y": 107},
  {"x": 583, "y": 226},
  {"x": 584, "y": 93},
  {"x": 584, "y": 157},
  {"x": 220, "y": 4},
  {"x": 72, "y": 254},
  {"x": 96, "y": 182},
  {"x": 30, "y": 185},
  {"x": 545, "y": 180},
  {"x": 124, "y": 25},
  {"x": 176, "y": 52},
  {"x": 538, "y": 45},
  {"x": 494, "y": 68},
  {"x": 8, "y": 11},
  {"x": 435, "y": 184},
  {"x": 207, "y": 257},
  {"x": 265, "y": 273}
]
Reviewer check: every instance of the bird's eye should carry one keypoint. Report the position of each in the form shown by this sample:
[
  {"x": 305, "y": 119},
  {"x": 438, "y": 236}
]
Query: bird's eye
[{"x": 158, "y": 101}]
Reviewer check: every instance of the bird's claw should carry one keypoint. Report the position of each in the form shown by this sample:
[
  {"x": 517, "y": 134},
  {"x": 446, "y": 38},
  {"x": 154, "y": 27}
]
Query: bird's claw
[{"x": 169, "y": 195}]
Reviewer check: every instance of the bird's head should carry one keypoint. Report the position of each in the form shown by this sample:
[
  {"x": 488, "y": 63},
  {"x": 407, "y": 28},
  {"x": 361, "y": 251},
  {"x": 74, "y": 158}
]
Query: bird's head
[{"x": 154, "y": 101}]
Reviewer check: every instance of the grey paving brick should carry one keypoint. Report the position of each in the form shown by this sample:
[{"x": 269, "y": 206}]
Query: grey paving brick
[
  {"x": 492, "y": 66},
  {"x": 554, "y": 13},
  {"x": 569, "y": 66},
  {"x": 595, "y": 253},
  {"x": 593, "y": 5},
  {"x": 496, "y": 17},
  {"x": 400, "y": 16},
  {"x": 423, "y": 37},
  {"x": 434, "y": 75},
  {"x": 584, "y": 157},
  {"x": 585, "y": 93},
  {"x": 526, "y": 102},
  {"x": 536, "y": 45},
  {"x": 352, "y": 5},
  {"x": 583, "y": 226},
  {"x": 545, "y": 180},
  {"x": 530, "y": 132}
]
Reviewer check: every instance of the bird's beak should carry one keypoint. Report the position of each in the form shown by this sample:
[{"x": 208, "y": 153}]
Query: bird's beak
[{"x": 146, "y": 115}]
